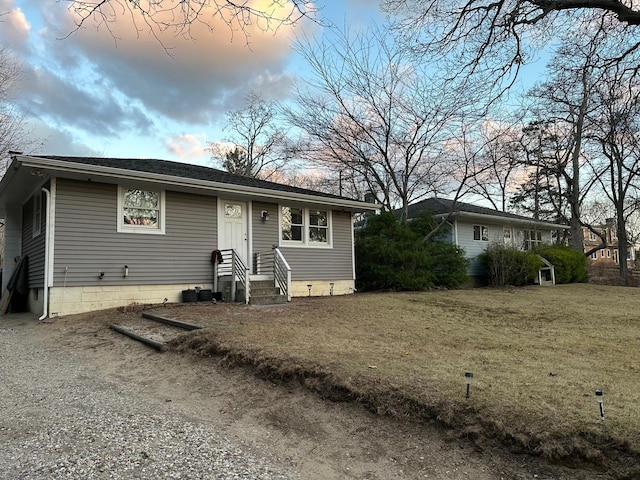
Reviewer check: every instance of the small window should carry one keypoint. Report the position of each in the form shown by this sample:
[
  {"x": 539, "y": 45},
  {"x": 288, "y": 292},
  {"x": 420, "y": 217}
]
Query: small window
[
  {"x": 37, "y": 215},
  {"x": 594, "y": 255},
  {"x": 601, "y": 253},
  {"x": 480, "y": 233},
  {"x": 608, "y": 253},
  {"x": 305, "y": 227},
  {"x": 140, "y": 211},
  {"x": 318, "y": 226},
  {"x": 292, "y": 224},
  {"x": 592, "y": 236},
  {"x": 232, "y": 210}
]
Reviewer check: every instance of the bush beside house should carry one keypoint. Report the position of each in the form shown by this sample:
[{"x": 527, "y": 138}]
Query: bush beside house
[
  {"x": 506, "y": 265},
  {"x": 570, "y": 265},
  {"x": 393, "y": 256},
  {"x": 511, "y": 266}
]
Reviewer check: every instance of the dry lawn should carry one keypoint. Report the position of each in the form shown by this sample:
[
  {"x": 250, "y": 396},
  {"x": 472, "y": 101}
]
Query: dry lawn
[{"x": 537, "y": 355}]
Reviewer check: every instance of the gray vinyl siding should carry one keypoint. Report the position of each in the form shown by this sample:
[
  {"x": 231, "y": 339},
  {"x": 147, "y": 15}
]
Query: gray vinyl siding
[
  {"x": 34, "y": 247},
  {"x": 87, "y": 241},
  {"x": 264, "y": 234},
  {"x": 334, "y": 263}
]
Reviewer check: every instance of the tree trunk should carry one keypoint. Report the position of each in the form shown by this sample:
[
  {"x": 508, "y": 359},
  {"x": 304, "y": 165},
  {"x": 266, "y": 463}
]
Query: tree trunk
[{"x": 623, "y": 249}]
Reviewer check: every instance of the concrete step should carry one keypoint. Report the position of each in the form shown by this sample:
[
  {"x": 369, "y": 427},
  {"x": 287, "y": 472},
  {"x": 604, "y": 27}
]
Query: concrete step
[
  {"x": 267, "y": 299},
  {"x": 261, "y": 284},
  {"x": 260, "y": 291}
]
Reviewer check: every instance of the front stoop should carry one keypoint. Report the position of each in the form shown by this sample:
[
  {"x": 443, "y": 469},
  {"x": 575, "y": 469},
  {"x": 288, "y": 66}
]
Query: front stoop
[{"x": 264, "y": 293}]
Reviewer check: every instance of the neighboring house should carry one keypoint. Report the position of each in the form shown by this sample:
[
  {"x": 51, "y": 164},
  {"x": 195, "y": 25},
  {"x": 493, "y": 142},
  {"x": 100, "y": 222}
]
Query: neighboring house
[
  {"x": 474, "y": 228},
  {"x": 104, "y": 232},
  {"x": 609, "y": 254}
]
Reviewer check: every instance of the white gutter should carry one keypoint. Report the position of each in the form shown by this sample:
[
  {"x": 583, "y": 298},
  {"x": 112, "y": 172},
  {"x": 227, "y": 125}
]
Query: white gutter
[
  {"x": 97, "y": 170},
  {"x": 503, "y": 219},
  {"x": 45, "y": 297}
]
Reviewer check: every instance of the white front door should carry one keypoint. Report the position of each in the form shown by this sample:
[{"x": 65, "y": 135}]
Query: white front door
[{"x": 232, "y": 227}]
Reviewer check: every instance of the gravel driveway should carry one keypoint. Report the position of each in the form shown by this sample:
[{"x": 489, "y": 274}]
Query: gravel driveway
[
  {"x": 61, "y": 419},
  {"x": 80, "y": 401}
]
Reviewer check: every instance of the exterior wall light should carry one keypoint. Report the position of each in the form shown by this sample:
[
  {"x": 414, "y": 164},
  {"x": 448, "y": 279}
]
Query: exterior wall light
[{"x": 264, "y": 215}]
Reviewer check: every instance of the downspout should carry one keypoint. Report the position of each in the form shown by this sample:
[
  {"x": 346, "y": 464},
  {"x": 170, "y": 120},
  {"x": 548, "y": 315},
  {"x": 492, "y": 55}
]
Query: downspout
[{"x": 45, "y": 294}]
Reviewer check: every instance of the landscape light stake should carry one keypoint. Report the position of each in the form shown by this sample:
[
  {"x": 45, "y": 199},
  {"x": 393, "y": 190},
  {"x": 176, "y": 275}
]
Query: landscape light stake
[
  {"x": 468, "y": 376},
  {"x": 599, "y": 397},
  {"x": 309, "y": 287}
]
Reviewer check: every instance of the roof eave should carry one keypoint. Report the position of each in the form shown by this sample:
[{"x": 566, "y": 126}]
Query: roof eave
[
  {"x": 93, "y": 170},
  {"x": 502, "y": 219}
]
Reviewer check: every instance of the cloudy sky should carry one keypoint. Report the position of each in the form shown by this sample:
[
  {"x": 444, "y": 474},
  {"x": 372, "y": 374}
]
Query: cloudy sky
[{"x": 119, "y": 91}]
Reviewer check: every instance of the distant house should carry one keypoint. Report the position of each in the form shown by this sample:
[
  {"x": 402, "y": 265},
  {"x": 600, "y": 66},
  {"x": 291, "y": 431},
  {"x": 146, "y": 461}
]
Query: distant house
[
  {"x": 474, "y": 228},
  {"x": 105, "y": 232},
  {"x": 609, "y": 254}
]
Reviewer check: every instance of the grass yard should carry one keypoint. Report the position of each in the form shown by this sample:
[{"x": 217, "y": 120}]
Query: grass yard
[{"x": 537, "y": 356}]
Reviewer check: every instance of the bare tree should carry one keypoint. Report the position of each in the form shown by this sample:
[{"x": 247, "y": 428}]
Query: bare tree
[
  {"x": 562, "y": 107},
  {"x": 177, "y": 17},
  {"x": 545, "y": 146},
  {"x": 13, "y": 133},
  {"x": 492, "y": 39},
  {"x": 259, "y": 148},
  {"x": 497, "y": 164},
  {"x": 617, "y": 169},
  {"x": 371, "y": 113}
]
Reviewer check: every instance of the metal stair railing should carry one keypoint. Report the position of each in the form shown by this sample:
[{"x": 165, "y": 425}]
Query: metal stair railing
[
  {"x": 233, "y": 266},
  {"x": 282, "y": 273},
  {"x": 273, "y": 263}
]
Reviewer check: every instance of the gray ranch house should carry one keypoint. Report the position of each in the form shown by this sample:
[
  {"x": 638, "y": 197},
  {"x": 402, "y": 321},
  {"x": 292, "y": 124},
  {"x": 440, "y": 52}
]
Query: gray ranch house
[
  {"x": 105, "y": 232},
  {"x": 474, "y": 228}
]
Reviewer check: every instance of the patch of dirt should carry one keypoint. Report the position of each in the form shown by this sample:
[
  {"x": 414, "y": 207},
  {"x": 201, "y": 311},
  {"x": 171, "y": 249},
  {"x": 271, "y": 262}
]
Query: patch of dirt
[{"x": 285, "y": 420}]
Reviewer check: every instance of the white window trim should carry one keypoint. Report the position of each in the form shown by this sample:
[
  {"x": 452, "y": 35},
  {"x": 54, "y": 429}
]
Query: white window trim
[
  {"x": 37, "y": 215},
  {"x": 531, "y": 239},
  {"x": 306, "y": 243},
  {"x": 481, "y": 229},
  {"x": 141, "y": 229}
]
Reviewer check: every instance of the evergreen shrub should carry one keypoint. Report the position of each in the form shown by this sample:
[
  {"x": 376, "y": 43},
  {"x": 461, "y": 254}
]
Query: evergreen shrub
[
  {"x": 570, "y": 265},
  {"x": 394, "y": 256}
]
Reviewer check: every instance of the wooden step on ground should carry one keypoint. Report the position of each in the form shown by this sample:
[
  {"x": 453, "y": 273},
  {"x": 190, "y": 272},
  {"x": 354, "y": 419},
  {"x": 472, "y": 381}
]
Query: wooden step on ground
[{"x": 153, "y": 330}]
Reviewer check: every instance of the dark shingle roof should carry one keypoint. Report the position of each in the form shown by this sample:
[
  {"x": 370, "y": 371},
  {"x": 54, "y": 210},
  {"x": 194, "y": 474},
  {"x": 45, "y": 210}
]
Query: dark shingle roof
[
  {"x": 438, "y": 206},
  {"x": 184, "y": 170}
]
